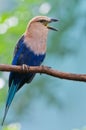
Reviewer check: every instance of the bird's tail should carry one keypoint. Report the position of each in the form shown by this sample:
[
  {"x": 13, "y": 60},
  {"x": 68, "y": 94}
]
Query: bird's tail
[{"x": 11, "y": 94}]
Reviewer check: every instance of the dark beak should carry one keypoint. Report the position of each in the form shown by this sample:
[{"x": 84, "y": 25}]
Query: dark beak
[{"x": 53, "y": 20}]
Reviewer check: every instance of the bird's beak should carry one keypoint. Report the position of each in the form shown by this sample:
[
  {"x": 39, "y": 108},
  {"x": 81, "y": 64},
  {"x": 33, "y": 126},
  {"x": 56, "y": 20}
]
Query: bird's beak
[{"x": 52, "y": 20}]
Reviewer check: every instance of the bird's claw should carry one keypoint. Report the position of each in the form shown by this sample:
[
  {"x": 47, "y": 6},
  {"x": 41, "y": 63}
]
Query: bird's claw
[
  {"x": 49, "y": 67},
  {"x": 46, "y": 67},
  {"x": 25, "y": 68}
]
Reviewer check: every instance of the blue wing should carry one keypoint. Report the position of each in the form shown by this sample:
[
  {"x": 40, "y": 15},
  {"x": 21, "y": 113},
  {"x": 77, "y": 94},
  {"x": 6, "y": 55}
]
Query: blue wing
[{"x": 22, "y": 55}]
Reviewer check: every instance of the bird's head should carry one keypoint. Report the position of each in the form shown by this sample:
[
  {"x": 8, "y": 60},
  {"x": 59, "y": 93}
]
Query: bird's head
[
  {"x": 36, "y": 33},
  {"x": 43, "y": 21},
  {"x": 41, "y": 24}
]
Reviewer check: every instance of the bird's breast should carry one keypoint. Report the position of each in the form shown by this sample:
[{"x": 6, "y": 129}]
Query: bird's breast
[{"x": 37, "y": 43}]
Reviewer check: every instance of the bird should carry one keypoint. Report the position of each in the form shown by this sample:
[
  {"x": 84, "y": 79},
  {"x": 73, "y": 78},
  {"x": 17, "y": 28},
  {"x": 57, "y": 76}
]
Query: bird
[{"x": 30, "y": 50}]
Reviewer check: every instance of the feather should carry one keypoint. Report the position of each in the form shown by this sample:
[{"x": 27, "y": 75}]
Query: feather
[{"x": 10, "y": 97}]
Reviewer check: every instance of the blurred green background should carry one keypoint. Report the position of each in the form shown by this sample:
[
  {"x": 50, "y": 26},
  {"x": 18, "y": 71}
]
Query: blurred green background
[{"x": 47, "y": 103}]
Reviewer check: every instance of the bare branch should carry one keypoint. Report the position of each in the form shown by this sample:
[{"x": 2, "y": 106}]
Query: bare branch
[{"x": 44, "y": 70}]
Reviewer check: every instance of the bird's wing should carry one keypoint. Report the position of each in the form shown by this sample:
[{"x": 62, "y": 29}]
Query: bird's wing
[
  {"x": 24, "y": 55},
  {"x": 18, "y": 50},
  {"x": 18, "y": 45}
]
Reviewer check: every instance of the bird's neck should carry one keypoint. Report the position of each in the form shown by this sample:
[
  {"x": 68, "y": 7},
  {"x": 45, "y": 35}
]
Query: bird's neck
[{"x": 35, "y": 39}]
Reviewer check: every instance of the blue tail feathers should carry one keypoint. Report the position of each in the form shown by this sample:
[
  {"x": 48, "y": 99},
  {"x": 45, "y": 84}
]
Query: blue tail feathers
[{"x": 11, "y": 94}]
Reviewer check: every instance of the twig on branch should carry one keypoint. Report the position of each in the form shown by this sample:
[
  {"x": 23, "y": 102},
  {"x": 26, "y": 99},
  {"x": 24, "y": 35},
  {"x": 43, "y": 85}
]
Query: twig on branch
[{"x": 44, "y": 70}]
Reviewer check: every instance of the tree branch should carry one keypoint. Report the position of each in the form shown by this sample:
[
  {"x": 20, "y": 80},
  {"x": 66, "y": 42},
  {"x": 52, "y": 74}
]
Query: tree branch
[{"x": 44, "y": 70}]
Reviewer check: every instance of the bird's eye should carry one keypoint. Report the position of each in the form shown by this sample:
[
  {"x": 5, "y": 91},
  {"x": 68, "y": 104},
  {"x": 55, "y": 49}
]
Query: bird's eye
[{"x": 42, "y": 21}]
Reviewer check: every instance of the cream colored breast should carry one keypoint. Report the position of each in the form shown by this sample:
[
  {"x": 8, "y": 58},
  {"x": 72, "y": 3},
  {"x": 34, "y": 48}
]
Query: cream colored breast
[{"x": 35, "y": 38}]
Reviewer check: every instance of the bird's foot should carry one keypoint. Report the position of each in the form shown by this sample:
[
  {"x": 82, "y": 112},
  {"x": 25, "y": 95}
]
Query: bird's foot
[
  {"x": 49, "y": 67},
  {"x": 25, "y": 68},
  {"x": 44, "y": 67}
]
